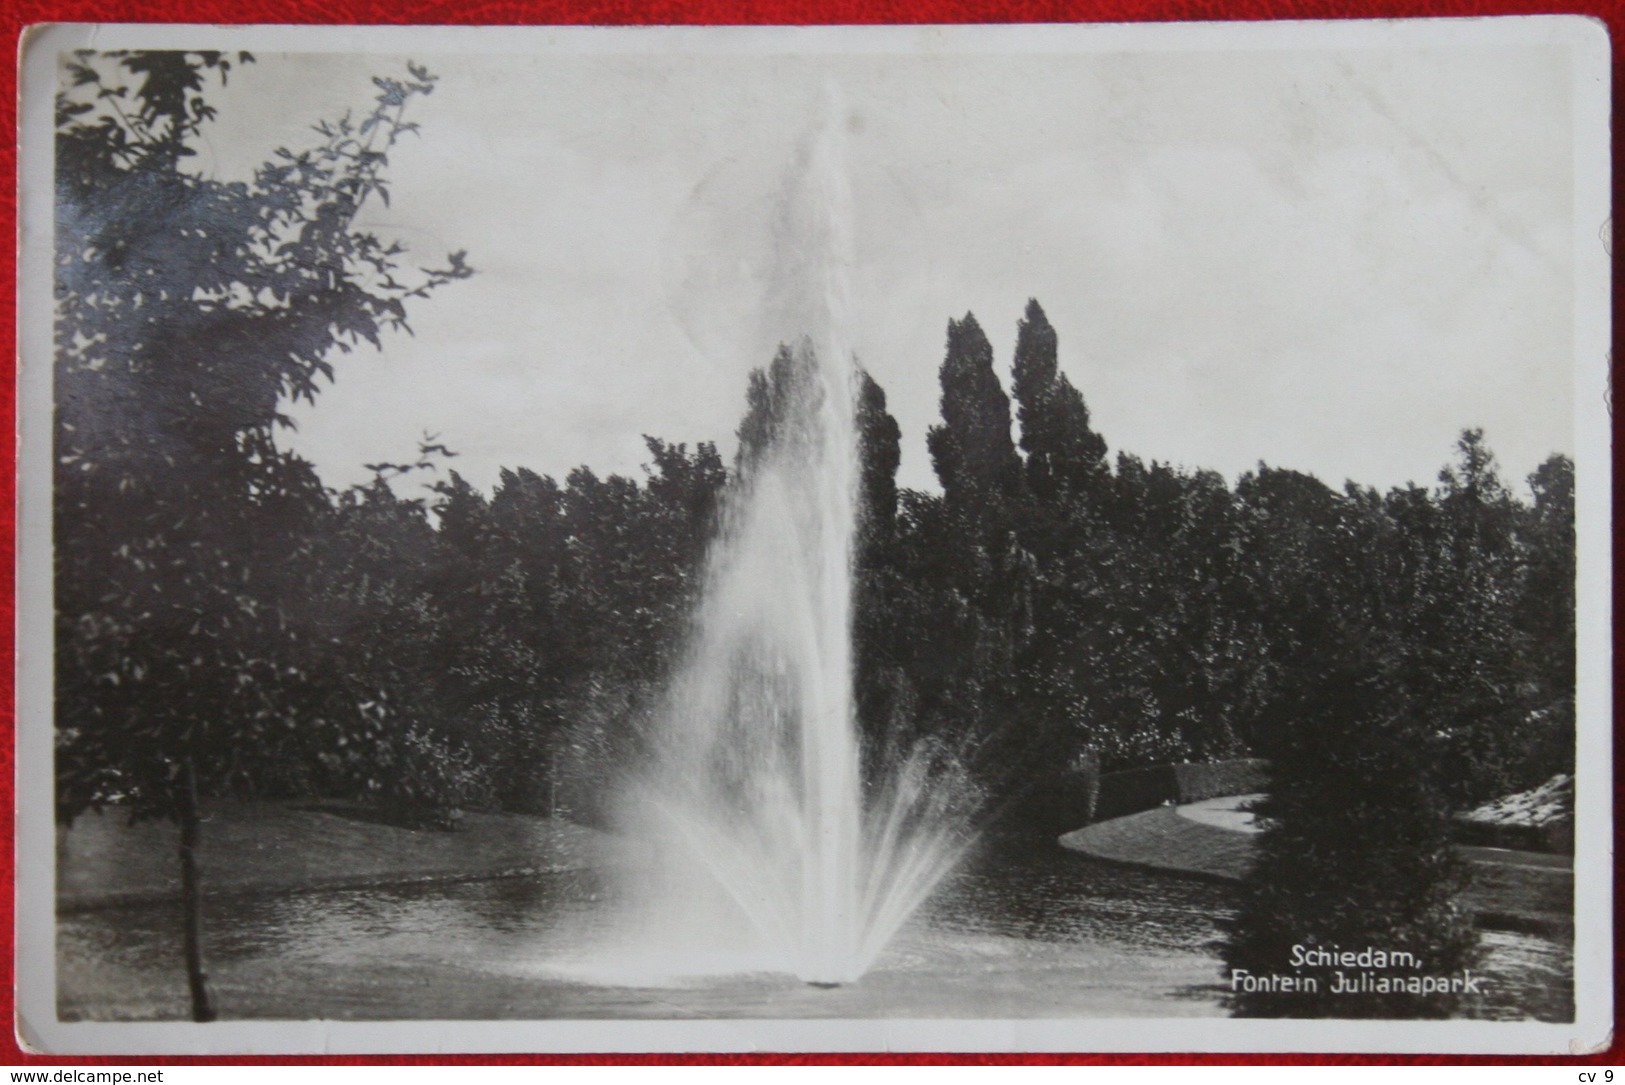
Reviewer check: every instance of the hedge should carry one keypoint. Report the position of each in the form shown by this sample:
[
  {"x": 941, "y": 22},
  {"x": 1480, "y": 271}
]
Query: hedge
[{"x": 1124, "y": 793}]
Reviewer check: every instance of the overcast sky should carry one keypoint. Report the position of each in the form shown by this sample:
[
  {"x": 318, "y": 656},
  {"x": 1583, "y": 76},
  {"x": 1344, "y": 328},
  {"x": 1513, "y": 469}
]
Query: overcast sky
[{"x": 1330, "y": 261}]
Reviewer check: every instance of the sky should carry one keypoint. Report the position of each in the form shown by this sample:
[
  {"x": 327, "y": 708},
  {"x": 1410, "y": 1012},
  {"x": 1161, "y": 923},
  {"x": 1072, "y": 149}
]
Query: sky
[{"x": 1328, "y": 260}]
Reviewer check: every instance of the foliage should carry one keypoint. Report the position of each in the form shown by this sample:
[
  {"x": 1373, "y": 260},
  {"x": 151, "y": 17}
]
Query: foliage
[
  {"x": 971, "y": 450},
  {"x": 1063, "y": 454},
  {"x": 1356, "y": 849},
  {"x": 1399, "y": 656},
  {"x": 187, "y": 309}
]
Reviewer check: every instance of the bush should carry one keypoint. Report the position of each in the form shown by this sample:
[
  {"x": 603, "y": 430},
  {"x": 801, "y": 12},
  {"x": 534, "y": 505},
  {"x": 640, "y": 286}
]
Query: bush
[
  {"x": 1355, "y": 852},
  {"x": 425, "y": 781},
  {"x": 1065, "y": 799},
  {"x": 513, "y": 742}
]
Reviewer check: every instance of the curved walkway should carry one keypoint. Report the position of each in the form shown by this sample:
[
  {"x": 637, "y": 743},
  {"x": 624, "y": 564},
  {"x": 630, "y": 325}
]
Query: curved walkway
[
  {"x": 1233, "y": 812},
  {"x": 1163, "y": 839}
]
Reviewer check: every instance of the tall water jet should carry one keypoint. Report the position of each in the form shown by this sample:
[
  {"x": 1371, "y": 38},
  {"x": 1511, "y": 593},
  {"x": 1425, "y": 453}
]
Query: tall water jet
[{"x": 754, "y": 807}]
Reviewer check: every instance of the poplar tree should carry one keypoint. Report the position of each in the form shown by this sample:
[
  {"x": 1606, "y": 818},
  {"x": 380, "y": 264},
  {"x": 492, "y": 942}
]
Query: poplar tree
[
  {"x": 974, "y": 457},
  {"x": 1064, "y": 454}
]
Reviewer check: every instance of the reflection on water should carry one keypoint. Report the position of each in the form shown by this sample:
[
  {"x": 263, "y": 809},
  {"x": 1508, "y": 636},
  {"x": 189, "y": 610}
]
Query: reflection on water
[
  {"x": 1047, "y": 934},
  {"x": 1061, "y": 897}
]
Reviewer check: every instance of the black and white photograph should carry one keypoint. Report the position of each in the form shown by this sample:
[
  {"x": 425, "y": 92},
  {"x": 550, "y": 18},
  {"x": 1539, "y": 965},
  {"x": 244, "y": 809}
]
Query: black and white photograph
[{"x": 843, "y": 538}]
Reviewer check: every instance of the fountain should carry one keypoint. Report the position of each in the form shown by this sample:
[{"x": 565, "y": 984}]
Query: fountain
[{"x": 766, "y": 855}]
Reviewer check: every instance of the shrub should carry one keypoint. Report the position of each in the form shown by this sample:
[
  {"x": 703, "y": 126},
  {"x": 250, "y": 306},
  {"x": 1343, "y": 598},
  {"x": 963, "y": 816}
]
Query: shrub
[
  {"x": 425, "y": 781},
  {"x": 1355, "y": 851}
]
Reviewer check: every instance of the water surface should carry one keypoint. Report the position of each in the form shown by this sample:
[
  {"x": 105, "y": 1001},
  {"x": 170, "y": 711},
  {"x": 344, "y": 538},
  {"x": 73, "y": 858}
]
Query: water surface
[{"x": 1045, "y": 935}]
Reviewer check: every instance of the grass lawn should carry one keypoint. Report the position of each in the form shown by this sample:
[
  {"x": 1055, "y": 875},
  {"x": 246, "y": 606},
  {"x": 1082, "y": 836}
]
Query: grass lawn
[
  {"x": 1163, "y": 840},
  {"x": 271, "y": 847}
]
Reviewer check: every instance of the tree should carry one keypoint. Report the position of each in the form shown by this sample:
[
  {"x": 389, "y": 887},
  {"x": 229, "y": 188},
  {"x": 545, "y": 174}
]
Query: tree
[
  {"x": 1063, "y": 452},
  {"x": 187, "y": 310},
  {"x": 880, "y": 451},
  {"x": 1478, "y": 655},
  {"x": 886, "y": 706},
  {"x": 1355, "y": 850},
  {"x": 1545, "y": 612},
  {"x": 769, "y": 396},
  {"x": 630, "y": 571},
  {"x": 971, "y": 580},
  {"x": 375, "y": 718},
  {"x": 971, "y": 450}
]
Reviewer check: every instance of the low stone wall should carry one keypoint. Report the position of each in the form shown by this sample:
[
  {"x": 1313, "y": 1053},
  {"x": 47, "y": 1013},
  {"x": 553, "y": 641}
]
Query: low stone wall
[
  {"x": 1539, "y": 819},
  {"x": 1071, "y": 798},
  {"x": 1124, "y": 793},
  {"x": 1556, "y": 838}
]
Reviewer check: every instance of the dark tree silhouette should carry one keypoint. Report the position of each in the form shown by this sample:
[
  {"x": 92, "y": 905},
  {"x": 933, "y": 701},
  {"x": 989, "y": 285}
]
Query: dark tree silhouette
[
  {"x": 1375, "y": 627},
  {"x": 971, "y": 450},
  {"x": 1063, "y": 452},
  {"x": 1477, "y": 662},
  {"x": 880, "y": 451},
  {"x": 1355, "y": 851},
  {"x": 770, "y": 399},
  {"x": 187, "y": 310},
  {"x": 1545, "y": 611},
  {"x": 885, "y": 708}
]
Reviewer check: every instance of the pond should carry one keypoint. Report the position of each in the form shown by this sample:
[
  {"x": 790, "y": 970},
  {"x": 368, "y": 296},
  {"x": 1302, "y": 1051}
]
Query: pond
[{"x": 1049, "y": 934}]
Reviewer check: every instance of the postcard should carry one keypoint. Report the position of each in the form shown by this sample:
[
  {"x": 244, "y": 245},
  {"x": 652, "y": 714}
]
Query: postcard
[{"x": 935, "y": 538}]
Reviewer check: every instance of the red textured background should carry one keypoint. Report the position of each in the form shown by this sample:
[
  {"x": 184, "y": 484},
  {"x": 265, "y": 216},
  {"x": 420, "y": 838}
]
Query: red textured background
[{"x": 21, "y": 13}]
